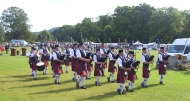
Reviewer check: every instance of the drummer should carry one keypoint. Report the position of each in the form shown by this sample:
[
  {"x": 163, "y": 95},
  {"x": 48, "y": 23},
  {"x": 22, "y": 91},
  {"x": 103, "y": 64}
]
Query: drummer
[
  {"x": 30, "y": 59},
  {"x": 44, "y": 52},
  {"x": 34, "y": 60}
]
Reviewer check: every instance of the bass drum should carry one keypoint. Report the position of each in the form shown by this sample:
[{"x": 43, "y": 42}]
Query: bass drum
[{"x": 40, "y": 66}]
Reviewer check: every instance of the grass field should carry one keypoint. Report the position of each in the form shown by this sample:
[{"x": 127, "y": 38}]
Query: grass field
[{"x": 16, "y": 84}]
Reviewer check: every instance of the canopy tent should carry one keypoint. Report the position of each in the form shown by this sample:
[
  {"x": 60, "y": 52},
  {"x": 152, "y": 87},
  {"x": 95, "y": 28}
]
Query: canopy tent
[{"x": 137, "y": 43}]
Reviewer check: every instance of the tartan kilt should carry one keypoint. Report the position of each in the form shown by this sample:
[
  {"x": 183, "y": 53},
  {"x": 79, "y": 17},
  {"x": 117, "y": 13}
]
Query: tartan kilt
[
  {"x": 34, "y": 66},
  {"x": 146, "y": 73},
  {"x": 97, "y": 71},
  {"x": 56, "y": 69},
  {"x": 45, "y": 62},
  {"x": 130, "y": 76},
  {"x": 162, "y": 69},
  {"x": 67, "y": 63},
  {"x": 105, "y": 65},
  {"x": 89, "y": 66},
  {"x": 120, "y": 76},
  {"x": 74, "y": 64},
  {"x": 80, "y": 70},
  {"x": 111, "y": 67}
]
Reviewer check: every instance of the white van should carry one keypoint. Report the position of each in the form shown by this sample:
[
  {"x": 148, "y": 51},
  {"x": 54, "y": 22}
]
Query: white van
[{"x": 179, "y": 46}]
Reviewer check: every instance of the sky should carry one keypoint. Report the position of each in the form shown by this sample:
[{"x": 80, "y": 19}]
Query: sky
[{"x": 46, "y": 14}]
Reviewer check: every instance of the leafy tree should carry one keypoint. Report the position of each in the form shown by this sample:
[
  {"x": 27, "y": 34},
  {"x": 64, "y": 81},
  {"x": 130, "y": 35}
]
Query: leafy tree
[
  {"x": 15, "y": 22},
  {"x": 2, "y": 34}
]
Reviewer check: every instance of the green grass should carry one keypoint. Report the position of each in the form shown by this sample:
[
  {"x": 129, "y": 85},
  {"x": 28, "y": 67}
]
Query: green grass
[{"x": 17, "y": 84}]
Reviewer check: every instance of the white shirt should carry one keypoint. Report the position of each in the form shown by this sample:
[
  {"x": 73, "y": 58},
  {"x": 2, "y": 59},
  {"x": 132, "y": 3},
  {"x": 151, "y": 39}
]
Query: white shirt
[
  {"x": 55, "y": 55},
  {"x": 160, "y": 57},
  {"x": 143, "y": 58},
  {"x": 110, "y": 55},
  {"x": 29, "y": 53},
  {"x": 72, "y": 52},
  {"x": 95, "y": 58},
  {"x": 101, "y": 51},
  {"x": 51, "y": 55},
  {"x": 119, "y": 61},
  {"x": 79, "y": 54},
  {"x": 41, "y": 50}
]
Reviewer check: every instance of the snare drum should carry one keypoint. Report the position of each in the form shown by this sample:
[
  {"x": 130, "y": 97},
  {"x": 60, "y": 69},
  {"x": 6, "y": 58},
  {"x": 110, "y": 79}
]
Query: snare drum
[{"x": 40, "y": 66}]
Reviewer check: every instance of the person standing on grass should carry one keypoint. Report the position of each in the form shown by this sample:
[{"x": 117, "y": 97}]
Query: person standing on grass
[
  {"x": 34, "y": 60},
  {"x": 98, "y": 67},
  {"x": 30, "y": 59},
  {"x": 122, "y": 72},
  {"x": 112, "y": 64},
  {"x": 81, "y": 65},
  {"x": 74, "y": 61},
  {"x": 131, "y": 76},
  {"x": 89, "y": 64},
  {"x": 146, "y": 68},
  {"x": 7, "y": 48},
  {"x": 57, "y": 65},
  {"x": 52, "y": 60},
  {"x": 162, "y": 64},
  {"x": 44, "y": 52},
  {"x": 103, "y": 53},
  {"x": 68, "y": 59}
]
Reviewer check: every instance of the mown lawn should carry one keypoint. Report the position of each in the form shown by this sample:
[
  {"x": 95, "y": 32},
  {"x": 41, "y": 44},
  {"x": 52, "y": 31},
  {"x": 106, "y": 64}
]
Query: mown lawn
[{"x": 16, "y": 84}]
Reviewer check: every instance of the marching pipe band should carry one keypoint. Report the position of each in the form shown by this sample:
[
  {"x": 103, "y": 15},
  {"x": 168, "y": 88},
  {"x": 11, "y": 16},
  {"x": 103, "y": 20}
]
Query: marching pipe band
[{"x": 81, "y": 63}]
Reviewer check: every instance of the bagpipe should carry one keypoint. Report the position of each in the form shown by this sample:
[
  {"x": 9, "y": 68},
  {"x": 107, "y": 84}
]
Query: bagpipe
[
  {"x": 150, "y": 58},
  {"x": 168, "y": 56},
  {"x": 135, "y": 64}
]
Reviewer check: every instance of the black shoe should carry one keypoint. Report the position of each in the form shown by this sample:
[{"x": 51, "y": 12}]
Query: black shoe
[
  {"x": 43, "y": 73},
  {"x": 59, "y": 83},
  {"x": 96, "y": 83},
  {"x": 145, "y": 86},
  {"x": 127, "y": 88},
  {"x": 161, "y": 82},
  {"x": 53, "y": 76},
  {"x": 77, "y": 84},
  {"x": 99, "y": 84},
  {"x": 119, "y": 91},
  {"x": 31, "y": 75},
  {"x": 35, "y": 79},
  {"x": 123, "y": 92},
  {"x": 67, "y": 72},
  {"x": 83, "y": 87},
  {"x": 132, "y": 90},
  {"x": 108, "y": 79},
  {"x": 74, "y": 79},
  {"x": 55, "y": 81},
  {"x": 142, "y": 84}
]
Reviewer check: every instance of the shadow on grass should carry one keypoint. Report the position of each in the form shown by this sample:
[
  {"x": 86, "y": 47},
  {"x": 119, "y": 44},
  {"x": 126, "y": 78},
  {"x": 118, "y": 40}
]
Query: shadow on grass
[
  {"x": 101, "y": 97},
  {"x": 37, "y": 85},
  {"x": 149, "y": 86},
  {"x": 55, "y": 91},
  {"x": 187, "y": 73}
]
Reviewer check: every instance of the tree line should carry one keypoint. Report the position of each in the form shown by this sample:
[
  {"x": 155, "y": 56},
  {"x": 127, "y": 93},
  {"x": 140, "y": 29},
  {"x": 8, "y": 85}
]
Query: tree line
[{"x": 143, "y": 23}]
